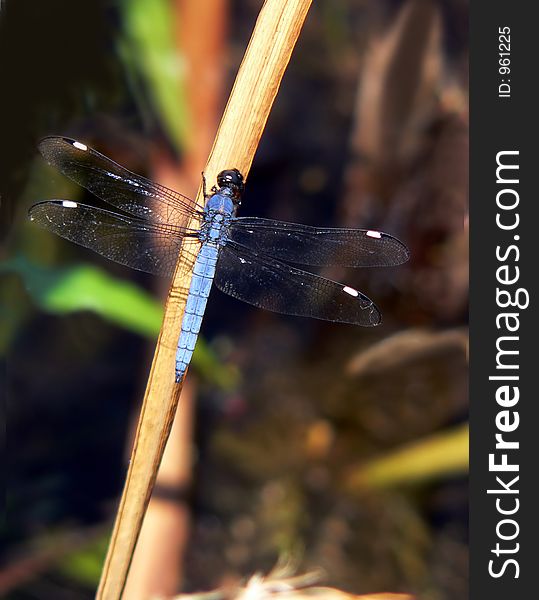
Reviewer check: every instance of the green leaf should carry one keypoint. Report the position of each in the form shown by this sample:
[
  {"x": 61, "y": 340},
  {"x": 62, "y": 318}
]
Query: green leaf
[
  {"x": 149, "y": 48},
  {"x": 445, "y": 453},
  {"x": 85, "y": 287},
  {"x": 85, "y": 565},
  {"x": 207, "y": 363}
]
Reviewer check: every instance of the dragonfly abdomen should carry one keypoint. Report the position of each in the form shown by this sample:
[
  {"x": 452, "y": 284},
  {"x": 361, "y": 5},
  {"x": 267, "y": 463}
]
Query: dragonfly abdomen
[{"x": 199, "y": 290}]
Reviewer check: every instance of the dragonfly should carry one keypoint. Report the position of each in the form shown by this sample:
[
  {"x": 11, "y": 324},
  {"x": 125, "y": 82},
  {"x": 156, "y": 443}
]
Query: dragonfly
[{"x": 253, "y": 259}]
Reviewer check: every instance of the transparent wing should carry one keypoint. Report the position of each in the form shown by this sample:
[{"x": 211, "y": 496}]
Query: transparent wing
[
  {"x": 116, "y": 185},
  {"x": 268, "y": 283},
  {"x": 317, "y": 246},
  {"x": 150, "y": 247}
]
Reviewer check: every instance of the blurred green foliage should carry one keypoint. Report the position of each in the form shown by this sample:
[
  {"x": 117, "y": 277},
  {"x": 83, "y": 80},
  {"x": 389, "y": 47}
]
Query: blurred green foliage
[
  {"x": 149, "y": 52},
  {"x": 441, "y": 455},
  {"x": 85, "y": 565},
  {"x": 85, "y": 287}
]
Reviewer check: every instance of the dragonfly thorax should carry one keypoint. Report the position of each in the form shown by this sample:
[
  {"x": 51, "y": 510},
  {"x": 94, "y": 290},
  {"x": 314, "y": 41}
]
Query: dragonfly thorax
[
  {"x": 218, "y": 212},
  {"x": 221, "y": 202}
]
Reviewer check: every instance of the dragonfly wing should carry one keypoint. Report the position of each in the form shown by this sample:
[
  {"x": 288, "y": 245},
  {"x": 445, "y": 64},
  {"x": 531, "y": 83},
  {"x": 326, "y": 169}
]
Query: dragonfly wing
[
  {"x": 150, "y": 247},
  {"x": 318, "y": 246},
  {"x": 271, "y": 284},
  {"x": 116, "y": 185}
]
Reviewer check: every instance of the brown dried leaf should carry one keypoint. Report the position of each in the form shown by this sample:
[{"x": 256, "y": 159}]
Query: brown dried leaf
[
  {"x": 405, "y": 347},
  {"x": 397, "y": 93}
]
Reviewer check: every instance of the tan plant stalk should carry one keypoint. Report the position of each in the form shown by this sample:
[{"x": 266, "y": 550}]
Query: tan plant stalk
[
  {"x": 263, "y": 66},
  {"x": 157, "y": 563}
]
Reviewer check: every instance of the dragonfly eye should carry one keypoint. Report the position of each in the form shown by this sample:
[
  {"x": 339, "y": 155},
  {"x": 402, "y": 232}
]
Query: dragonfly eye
[{"x": 233, "y": 180}]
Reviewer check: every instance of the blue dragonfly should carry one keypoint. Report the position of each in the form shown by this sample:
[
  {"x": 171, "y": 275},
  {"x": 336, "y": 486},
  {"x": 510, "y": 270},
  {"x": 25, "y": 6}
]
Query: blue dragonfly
[{"x": 249, "y": 258}]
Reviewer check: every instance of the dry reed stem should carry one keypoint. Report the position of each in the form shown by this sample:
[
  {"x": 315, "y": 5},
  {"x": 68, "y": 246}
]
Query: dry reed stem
[
  {"x": 157, "y": 563},
  {"x": 156, "y": 566},
  {"x": 275, "y": 34}
]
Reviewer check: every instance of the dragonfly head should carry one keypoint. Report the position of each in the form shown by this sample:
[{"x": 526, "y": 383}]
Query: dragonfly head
[{"x": 232, "y": 180}]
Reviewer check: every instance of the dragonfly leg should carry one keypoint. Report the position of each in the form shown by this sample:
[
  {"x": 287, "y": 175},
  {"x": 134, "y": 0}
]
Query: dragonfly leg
[
  {"x": 204, "y": 187},
  {"x": 213, "y": 190}
]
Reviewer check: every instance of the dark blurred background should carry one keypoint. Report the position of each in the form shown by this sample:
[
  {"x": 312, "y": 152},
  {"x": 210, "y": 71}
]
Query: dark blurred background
[{"x": 343, "y": 447}]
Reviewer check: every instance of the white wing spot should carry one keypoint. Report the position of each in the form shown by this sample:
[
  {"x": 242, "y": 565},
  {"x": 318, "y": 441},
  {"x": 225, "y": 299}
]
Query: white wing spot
[
  {"x": 350, "y": 291},
  {"x": 80, "y": 146},
  {"x": 374, "y": 234},
  {"x": 69, "y": 204}
]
